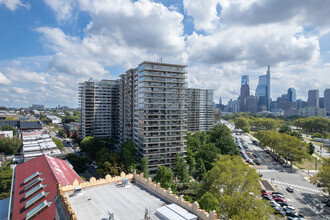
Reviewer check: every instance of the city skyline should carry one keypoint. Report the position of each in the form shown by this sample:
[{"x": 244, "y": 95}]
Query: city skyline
[{"x": 50, "y": 46}]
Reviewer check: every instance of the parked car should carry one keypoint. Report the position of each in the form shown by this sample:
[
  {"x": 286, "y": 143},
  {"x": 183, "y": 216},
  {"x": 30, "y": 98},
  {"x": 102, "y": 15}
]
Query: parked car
[
  {"x": 277, "y": 193},
  {"x": 277, "y": 199},
  {"x": 283, "y": 204},
  {"x": 289, "y": 189},
  {"x": 293, "y": 215},
  {"x": 289, "y": 209},
  {"x": 255, "y": 154},
  {"x": 285, "y": 165},
  {"x": 278, "y": 196},
  {"x": 268, "y": 197}
]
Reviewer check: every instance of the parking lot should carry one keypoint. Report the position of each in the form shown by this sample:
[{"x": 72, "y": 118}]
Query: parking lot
[{"x": 306, "y": 198}]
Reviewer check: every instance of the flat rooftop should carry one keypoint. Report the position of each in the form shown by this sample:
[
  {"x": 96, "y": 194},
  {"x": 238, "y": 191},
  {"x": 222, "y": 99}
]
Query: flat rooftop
[{"x": 127, "y": 202}]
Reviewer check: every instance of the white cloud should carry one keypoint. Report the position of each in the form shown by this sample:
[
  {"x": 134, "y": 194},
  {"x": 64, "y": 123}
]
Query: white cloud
[
  {"x": 14, "y": 4},
  {"x": 22, "y": 75},
  {"x": 4, "y": 80},
  {"x": 20, "y": 90},
  {"x": 120, "y": 32},
  {"x": 204, "y": 13},
  {"x": 62, "y": 8}
]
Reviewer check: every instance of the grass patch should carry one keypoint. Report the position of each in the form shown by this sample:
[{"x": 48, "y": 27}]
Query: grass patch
[{"x": 309, "y": 164}]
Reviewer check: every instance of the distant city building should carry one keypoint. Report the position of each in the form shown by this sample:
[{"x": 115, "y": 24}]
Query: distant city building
[
  {"x": 200, "y": 109},
  {"x": 321, "y": 100},
  {"x": 313, "y": 98},
  {"x": 244, "y": 92},
  {"x": 301, "y": 104},
  {"x": 327, "y": 100},
  {"x": 292, "y": 96},
  {"x": 263, "y": 92},
  {"x": 251, "y": 103},
  {"x": 99, "y": 102},
  {"x": 310, "y": 111},
  {"x": 38, "y": 107}
]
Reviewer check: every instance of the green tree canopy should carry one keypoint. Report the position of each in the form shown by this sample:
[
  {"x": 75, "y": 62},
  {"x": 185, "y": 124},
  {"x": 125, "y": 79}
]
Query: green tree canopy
[
  {"x": 10, "y": 146},
  {"x": 78, "y": 162},
  {"x": 164, "y": 176},
  {"x": 235, "y": 186},
  {"x": 144, "y": 167},
  {"x": 58, "y": 143},
  {"x": 128, "y": 154},
  {"x": 181, "y": 169},
  {"x": 243, "y": 124},
  {"x": 323, "y": 176},
  {"x": 313, "y": 124}
]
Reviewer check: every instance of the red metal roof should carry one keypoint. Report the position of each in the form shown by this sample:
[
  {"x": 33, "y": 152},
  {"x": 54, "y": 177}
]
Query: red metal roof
[
  {"x": 64, "y": 174},
  {"x": 53, "y": 170}
]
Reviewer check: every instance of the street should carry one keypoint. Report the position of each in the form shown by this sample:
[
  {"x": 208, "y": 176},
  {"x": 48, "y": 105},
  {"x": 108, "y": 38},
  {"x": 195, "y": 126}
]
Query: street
[{"x": 306, "y": 197}]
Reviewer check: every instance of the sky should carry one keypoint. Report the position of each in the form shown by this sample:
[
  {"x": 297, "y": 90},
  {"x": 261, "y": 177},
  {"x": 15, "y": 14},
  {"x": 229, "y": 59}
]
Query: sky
[{"x": 48, "y": 46}]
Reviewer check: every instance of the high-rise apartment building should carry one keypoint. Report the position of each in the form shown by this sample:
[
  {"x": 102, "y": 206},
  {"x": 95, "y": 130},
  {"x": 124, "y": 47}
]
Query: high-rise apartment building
[
  {"x": 292, "y": 97},
  {"x": 327, "y": 100},
  {"x": 200, "y": 109},
  {"x": 263, "y": 91},
  {"x": 160, "y": 112},
  {"x": 313, "y": 98},
  {"x": 98, "y": 101}
]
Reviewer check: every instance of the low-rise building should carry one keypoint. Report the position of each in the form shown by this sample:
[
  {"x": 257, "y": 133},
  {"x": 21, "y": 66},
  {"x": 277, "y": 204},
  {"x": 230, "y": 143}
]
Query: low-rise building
[
  {"x": 35, "y": 187},
  {"x": 72, "y": 129},
  {"x": 37, "y": 143},
  {"x": 54, "y": 119},
  {"x": 6, "y": 134}
]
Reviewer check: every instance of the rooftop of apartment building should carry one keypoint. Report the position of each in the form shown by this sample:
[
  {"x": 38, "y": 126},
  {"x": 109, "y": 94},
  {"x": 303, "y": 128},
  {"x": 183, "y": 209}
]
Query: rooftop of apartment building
[
  {"x": 126, "y": 202},
  {"x": 128, "y": 196}
]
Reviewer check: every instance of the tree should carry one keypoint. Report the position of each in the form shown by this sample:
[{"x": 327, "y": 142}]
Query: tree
[
  {"x": 112, "y": 169},
  {"x": 164, "y": 176},
  {"x": 285, "y": 129},
  {"x": 208, "y": 202},
  {"x": 5, "y": 180},
  {"x": 208, "y": 153},
  {"x": 242, "y": 123},
  {"x": 78, "y": 162},
  {"x": 180, "y": 169},
  {"x": 91, "y": 145},
  {"x": 8, "y": 128},
  {"x": 128, "y": 154},
  {"x": 311, "y": 148},
  {"x": 323, "y": 176},
  {"x": 58, "y": 143},
  {"x": 62, "y": 132},
  {"x": 10, "y": 146},
  {"x": 200, "y": 170},
  {"x": 144, "y": 167},
  {"x": 317, "y": 135},
  {"x": 235, "y": 186}
]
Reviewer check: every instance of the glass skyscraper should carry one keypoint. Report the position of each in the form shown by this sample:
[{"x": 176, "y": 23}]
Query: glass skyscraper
[
  {"x": 292, "y": 97},
  {"x": 263, "y": 91}
]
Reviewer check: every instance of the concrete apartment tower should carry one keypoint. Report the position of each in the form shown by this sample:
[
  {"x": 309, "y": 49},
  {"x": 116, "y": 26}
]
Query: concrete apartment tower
[
  {"x": 155, "y": 102},
  {"x": 200, "y": 109},
  {"x": 98, "y": 101}
]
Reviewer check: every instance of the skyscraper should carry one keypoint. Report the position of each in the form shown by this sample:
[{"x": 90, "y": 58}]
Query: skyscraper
[
  {"x": 313, "y": 98},
  {"x": 245, "y": 92},
  {"x": 327, "y": 100},
  {"x": 292, "y": 97},
  {"x": 263, "y": 91}
]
